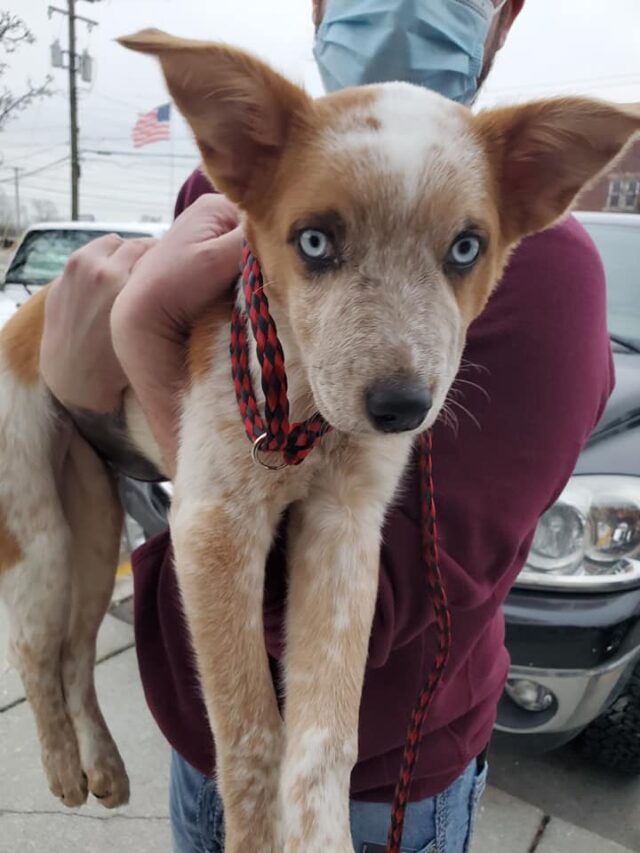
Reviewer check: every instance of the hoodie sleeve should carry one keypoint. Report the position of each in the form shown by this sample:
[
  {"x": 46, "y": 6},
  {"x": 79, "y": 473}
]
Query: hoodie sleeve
[{"x": 197, "y": 184}]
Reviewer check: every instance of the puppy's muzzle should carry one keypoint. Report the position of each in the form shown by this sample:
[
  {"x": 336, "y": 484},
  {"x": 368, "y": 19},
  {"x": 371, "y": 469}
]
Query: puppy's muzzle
[{"x": 397, "y": 406}]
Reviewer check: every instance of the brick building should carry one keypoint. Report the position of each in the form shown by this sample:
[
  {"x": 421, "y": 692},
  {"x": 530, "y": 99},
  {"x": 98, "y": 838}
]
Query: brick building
[{"x": 619, "y": 190}]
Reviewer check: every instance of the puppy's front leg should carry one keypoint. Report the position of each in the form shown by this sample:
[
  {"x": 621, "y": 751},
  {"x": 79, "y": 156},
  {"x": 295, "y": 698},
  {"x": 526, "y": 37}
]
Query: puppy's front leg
[
  {"x": 334, "y": 561},
  {"x": 220, "y": 557}
]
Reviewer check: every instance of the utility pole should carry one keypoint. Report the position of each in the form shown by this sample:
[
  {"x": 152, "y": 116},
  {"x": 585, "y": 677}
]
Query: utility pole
[
  {"x": 73, "y": 109},
  {"x": 75, "y": 63},
  {"x": 16, "y": 189}
]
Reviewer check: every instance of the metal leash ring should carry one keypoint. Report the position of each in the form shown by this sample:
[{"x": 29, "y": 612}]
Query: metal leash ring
[{"x": 255, "y": 450}]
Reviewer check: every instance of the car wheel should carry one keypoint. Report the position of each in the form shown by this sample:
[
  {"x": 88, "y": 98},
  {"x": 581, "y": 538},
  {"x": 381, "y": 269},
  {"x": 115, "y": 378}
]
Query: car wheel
[{"x": 613, "y": 740}]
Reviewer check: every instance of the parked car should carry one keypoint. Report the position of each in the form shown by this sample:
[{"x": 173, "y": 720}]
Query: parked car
[
  {"x": 42, "y": 252},
  {"x": 573, "y": 617},
  {"x": 7, "y": 308}
]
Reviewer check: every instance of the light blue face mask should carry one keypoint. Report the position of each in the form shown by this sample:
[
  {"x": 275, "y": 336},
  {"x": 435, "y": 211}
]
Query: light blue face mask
[{"x": 434, "y": 43}]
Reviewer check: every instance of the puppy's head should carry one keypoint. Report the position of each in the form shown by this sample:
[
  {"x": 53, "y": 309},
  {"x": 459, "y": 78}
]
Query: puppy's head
[{"x": 383, "y": 217}]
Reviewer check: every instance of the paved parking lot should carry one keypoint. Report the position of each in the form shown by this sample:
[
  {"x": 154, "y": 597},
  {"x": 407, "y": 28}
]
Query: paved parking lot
[{"x": 551, "y": 805}]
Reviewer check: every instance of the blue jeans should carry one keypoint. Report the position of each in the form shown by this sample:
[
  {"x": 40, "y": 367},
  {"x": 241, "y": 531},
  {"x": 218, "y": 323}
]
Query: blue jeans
[{"x": 442, "y": 824}]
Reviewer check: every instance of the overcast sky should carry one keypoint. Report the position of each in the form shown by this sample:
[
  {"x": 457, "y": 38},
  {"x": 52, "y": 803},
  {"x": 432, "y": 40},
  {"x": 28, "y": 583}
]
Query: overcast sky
[{"x": 556, "y": 47}]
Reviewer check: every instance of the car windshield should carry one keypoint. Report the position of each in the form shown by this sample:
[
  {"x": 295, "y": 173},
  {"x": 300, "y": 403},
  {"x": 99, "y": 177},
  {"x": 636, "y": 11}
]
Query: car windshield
[
  {"x": 43, "y": 254},
  {"x": 619, "y": 246}
]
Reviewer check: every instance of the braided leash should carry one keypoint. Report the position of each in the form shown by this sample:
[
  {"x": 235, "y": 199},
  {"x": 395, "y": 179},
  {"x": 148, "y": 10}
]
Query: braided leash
[
  {"x": 443, "y": 624},
  {"x": 295, "y": 442}
]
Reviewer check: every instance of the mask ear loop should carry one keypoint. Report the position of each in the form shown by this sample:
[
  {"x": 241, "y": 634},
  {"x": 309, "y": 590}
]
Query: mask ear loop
[{"x": 492, "y": 8}]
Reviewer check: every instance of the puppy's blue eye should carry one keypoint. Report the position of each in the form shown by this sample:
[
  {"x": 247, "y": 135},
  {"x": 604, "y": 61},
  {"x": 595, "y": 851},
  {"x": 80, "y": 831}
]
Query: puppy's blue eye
[
  {"x": 465, "y": 251},
  {"x": 315, "y": 245}
]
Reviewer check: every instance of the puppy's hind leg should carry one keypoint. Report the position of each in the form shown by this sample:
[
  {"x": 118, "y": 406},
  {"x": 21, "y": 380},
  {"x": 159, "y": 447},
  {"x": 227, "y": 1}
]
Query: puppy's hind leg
[
  {"x": 94, "y": 516},
  {"x": 35, "y": 575},
  {"x": 36, "y": 588}
]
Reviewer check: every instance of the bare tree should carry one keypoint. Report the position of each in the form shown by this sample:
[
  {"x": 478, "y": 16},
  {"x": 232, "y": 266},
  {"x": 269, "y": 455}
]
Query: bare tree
[
  {"x": 7, "y": 212},
  {"x": 13, "y": 34},
  {"x": 8, "y": 226},
  {"x": 44, "y": 210}
]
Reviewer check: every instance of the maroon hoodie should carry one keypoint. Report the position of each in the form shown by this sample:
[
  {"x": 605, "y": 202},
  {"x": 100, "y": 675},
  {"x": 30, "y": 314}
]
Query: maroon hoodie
[{"x": 537, "y": 374}]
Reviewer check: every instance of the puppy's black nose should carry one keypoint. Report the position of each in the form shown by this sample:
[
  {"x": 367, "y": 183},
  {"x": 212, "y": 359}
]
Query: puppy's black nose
[{"x": 397, "y": 406}]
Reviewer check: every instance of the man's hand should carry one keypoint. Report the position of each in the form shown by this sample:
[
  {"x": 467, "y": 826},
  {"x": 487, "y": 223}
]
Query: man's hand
[
  {"x": 191, "y": 267},
  {"x": 101, "y": 336},
  {"x": 77, "y": 360}
]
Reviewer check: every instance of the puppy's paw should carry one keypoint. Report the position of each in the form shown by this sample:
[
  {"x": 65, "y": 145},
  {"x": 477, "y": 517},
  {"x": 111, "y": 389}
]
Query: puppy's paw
[
  {"x": 66, "y": 778},
  {"x": 108, "y": 780}
]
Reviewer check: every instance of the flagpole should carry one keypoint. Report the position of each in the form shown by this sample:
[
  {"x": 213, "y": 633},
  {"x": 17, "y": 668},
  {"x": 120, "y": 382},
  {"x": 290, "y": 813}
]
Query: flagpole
[{"x": 172, "y": 194}]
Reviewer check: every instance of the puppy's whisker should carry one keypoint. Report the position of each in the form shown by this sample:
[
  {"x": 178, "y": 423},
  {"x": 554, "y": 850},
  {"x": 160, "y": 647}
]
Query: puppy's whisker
[
  {"x": 482, "y": 390},
  {"x": 265, "y": 284},
  {"x": 465, "y": 364},
  {"x": 450, "y": 419},
  {"x": 459, "y": 405}
]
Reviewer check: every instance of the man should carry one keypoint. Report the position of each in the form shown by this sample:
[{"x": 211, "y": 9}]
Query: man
[{"x": 540, "y": 347}]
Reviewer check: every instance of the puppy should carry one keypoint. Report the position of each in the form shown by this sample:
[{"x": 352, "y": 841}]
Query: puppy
[{"x": 383, "y": 218}]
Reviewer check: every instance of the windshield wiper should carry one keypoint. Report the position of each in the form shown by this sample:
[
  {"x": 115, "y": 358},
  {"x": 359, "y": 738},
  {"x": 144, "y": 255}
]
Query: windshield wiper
[
  {"x": 631, "y": 345},
  {"x": 27, "y": 285}
]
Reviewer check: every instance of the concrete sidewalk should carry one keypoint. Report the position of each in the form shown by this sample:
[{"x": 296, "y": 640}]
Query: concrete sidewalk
[{"x": 32, "y": 820}]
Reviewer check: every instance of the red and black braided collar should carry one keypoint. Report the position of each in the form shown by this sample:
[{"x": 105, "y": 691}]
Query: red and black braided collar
[
  {"x": 275, "y": 433},
  {"x": 295, "y": 442}
]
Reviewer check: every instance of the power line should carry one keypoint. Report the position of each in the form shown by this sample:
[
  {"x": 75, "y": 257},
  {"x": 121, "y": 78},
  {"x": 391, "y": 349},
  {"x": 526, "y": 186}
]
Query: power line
[
  {"x": 103, "y": 152},
  {"x": 39, "y": 169},
  {"x": 34, "y": 128},
  {"x": 39, "y": 150},
  {"x": 147, "y": 168},
  {"x": 116, "y": 202},
  {"x": 147, "y": 181},
  {"x": 143, "y": 187},
  {"x": 119, "y": 100},
  {"x": 101, "y": 138},
  {"x": 126, "y": 198}
]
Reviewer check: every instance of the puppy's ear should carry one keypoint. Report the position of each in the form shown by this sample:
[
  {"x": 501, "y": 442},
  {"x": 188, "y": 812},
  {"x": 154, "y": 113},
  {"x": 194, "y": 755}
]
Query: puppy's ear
[
  {"x": 240, "y": 111},
  {"x": 543, "y": 153}
]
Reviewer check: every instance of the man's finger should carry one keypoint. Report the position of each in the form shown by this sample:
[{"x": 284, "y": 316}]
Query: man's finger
[
  {"x": 224, "y": 255},
  {"x": 92, "y": 253},
  {"x": 215, "y": 209},
  {"x": 104, "y": 246},
  {"x": 129, "y": 253},
  {"x": 229, "y": 253}
]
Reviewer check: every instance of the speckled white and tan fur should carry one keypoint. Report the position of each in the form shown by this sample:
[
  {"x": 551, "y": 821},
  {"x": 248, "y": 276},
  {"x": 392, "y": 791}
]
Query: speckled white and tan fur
[
  {"x": 393, "y": 176},
  {"x": 60, "y": 524}
]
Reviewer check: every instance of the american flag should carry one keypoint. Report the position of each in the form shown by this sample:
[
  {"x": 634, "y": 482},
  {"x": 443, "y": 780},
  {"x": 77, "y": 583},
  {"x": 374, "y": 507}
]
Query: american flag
[{"x": 153, "y": 126}]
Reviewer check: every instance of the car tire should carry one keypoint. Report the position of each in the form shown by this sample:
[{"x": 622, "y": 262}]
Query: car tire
[{"x": 613, "y": 740}]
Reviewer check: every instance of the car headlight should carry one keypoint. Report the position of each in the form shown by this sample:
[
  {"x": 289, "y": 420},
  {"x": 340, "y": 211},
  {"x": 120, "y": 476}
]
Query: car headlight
[{"x": 589, "y": 539}]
